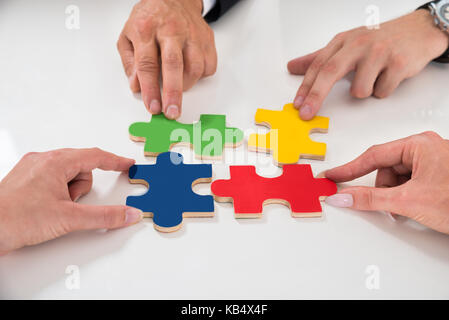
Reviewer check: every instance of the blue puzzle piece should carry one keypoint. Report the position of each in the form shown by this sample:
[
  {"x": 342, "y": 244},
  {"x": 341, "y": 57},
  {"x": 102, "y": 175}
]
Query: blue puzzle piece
[{"x": 170, "y": 196}]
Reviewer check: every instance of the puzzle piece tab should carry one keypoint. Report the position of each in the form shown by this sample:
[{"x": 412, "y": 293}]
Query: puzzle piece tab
[
  {"x": 170, "y": 196},
  {"x": 295, "y": 188},
  {"x": 208, "y": 136},
  {"x": 288, "y": 139}
]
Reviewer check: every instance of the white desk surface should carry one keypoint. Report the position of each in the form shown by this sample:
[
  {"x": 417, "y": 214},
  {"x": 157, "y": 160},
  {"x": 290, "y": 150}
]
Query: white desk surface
[{"x": 66, "y": 88}]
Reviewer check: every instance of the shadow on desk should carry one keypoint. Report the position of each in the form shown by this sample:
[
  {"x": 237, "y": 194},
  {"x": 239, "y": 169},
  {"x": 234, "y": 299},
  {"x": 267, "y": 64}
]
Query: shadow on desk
[{"x": 428, "y": 241}]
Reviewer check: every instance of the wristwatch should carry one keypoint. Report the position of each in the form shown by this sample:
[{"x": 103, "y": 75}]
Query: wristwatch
[{"x": 440, "y": 11}]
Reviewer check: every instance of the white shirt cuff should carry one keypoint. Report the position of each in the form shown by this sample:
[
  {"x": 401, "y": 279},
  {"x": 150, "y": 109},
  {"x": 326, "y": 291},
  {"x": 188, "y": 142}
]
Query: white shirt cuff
[{"x": 208, "y": 5}]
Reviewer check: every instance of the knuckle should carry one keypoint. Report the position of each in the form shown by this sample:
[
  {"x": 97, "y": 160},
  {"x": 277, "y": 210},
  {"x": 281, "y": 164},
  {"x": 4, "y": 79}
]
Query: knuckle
[
  {"x": 30, "y": 155},
  {"x": 431, "y": 135},
  {"x": 51, "y": 157},
  {"x": 314, "y": 95},
  {"x": 339, "y": 36},
  {"x": 196, "y": 69},
  {"x": 144, "y": 26},
  {"x": 304, "y": 89},
  {"x": 316, "y": 65},
  {"x": 146, "y": 64},
  {"x": 111, "y": 220},
  {"x": 370, "y": 198},
  {"x": 173, "y": 59},
  {"x": 175, "y": 24},
  {"x": 330, "y": 67},
  {"x": 371, "y": 153},
  {"x": 362, "y": 39},
  {"x": 360, "y": 92},
  {"x": 96, "y": 150},
  {"x": 210, "y": 70},
  {"x": 398, "y": 62},
  {"x": 170, "y": 92},
  {"x": 379, "y": 48}
]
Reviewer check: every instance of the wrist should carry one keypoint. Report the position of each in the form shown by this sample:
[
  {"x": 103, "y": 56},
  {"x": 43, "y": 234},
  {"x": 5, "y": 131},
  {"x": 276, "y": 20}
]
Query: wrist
[
  {"x": 439, "y": 39},
  {"x": 195, "y": 5}
]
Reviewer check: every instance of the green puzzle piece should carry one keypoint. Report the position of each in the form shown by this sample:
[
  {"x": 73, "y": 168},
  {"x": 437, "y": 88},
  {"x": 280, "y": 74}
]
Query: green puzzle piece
[{"x": 208, "y": 136}]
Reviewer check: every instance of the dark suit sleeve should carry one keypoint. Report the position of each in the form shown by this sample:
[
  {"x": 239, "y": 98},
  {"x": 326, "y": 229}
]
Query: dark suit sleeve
[{"x": 220, "y": 9}]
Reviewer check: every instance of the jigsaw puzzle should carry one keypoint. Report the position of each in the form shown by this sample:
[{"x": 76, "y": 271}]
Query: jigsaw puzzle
[
  {"x": 288, "y": 139},
  {"x": 170, "y": 197},
  {"x": 208, "y": 136},
  {"x": 295, "y": 188}
]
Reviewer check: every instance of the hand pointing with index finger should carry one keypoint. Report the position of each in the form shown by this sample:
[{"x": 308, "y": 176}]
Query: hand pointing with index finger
[
  {"x": 381, "y": 60},
  {"x": 166, "y": 40}
]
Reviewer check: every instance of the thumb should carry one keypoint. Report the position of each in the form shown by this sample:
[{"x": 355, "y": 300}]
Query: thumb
[
  {"x": 367, "y": 199},
  {"x": 87, "y": 217}
]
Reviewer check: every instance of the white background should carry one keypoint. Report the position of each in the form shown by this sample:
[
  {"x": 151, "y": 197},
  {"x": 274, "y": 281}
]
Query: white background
[{"x": 66, "y": 88}]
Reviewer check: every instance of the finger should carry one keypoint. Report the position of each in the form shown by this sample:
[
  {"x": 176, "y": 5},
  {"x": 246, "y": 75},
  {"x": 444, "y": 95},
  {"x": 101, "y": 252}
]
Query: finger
[
  {"x": 210, "y": 54},
  {"x": 126, "y": 51},
  {"x": 87, "y": 217},
  {"x": 300, "y": 65},
  {"x": 194, "y": 65},
  {"x": 375, "y": 199},
  {"x": 380, "y": 156},
  {"x": 386, "y": 178},
  {"x": 76, "y": 161},
  {"x": 387, "y": 82},
  {"x": 80, "y": 185},
  {"x": 333, "y": 70},
  {"x": 172, "y": 77},
  {"x": 367, "y": 72},
  {"x": 148, "y": 71},
  {"x": 313, "y": 69}
]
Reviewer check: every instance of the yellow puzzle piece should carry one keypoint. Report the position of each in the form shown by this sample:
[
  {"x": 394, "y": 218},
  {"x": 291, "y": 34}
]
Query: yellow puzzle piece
[{"x": 288, "y": 139}]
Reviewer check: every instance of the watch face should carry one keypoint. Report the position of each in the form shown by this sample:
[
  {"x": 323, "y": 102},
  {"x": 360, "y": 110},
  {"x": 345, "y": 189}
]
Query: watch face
[{"x": 445, "y": 12}]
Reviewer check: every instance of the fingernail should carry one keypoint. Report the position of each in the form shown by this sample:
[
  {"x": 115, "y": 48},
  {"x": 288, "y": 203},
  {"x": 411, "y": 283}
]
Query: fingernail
[
  {"x": 321, "y": 175},
  {"x": 172, "y": 111},
  {"x": 155, "y": 107},
  {"x": 133, "y": 216},
  {"x": 298, "y": 102},
  {"x": 340, "y": 200},
  {"x": 305, "y": 112}
]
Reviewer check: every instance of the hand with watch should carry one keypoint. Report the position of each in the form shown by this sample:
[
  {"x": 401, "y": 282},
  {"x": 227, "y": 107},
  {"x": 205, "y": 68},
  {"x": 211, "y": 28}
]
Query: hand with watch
[
  {"x": 440, "y": 11},
  {"x": 381, "y": 58}
]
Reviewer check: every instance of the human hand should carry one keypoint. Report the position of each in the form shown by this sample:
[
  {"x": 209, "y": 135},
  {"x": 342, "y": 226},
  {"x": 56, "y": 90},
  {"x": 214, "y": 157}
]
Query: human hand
[
  {"x": 381, "y": 59},
  {"x": 37, "y": 198},
  {"x": 167, "y": 38},
  {"x": 412, "y": 180}
]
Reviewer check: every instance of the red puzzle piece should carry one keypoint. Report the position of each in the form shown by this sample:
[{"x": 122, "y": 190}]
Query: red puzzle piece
[{"x": 296, "y": 188}]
